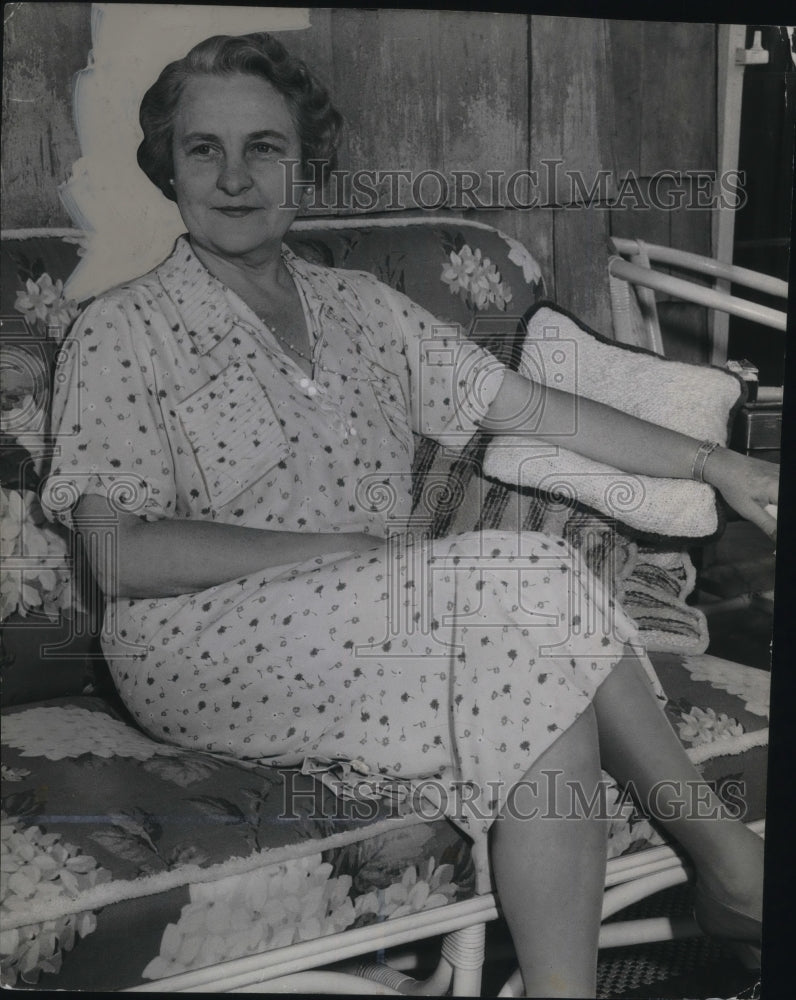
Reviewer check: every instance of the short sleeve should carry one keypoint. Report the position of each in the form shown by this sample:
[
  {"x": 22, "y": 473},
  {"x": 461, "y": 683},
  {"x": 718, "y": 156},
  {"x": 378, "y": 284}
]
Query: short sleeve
[
  {"x": 452, "y": 381},
  {"x": 107, "y": 425}
]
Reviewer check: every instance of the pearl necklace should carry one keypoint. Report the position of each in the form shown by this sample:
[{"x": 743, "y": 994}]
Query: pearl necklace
[
  {"x": 285, "y": 343},
  {"x": 310, "y": 388}
]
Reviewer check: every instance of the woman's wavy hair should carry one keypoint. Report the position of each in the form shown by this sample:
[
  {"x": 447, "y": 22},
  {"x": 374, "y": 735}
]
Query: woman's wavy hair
[{"x": 317, "y": 121}]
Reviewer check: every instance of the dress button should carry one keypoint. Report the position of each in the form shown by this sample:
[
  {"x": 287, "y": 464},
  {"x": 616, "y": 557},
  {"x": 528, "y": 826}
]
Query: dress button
[
  {"x": 312, "y": 390},
  {"x": 303, "y": 383}
]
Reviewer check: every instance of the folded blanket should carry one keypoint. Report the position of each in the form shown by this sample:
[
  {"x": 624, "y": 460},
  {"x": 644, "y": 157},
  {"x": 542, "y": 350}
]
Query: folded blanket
[{"x": 699, "y": 401}]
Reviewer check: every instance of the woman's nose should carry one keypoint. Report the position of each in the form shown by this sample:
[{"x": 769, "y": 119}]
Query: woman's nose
[{"x": 234, "y": 176}]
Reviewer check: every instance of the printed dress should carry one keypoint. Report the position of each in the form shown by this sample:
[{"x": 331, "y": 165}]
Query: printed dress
[{"x": 443, "y": 666}]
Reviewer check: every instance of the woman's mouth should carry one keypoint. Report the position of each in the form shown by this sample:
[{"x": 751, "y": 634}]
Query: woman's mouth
[{"x": 235, "y": 212}]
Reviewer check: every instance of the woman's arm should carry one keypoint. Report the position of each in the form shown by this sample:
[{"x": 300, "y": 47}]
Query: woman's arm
[
  {"x": 179, "y": 556},
  {"x": 631, "y": 444}
]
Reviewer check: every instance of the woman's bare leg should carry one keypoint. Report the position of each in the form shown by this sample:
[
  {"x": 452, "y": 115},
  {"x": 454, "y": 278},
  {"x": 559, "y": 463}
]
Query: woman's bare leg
[
  {"x": 550, "y": 872},
  {"x": 638, "y": 745}
]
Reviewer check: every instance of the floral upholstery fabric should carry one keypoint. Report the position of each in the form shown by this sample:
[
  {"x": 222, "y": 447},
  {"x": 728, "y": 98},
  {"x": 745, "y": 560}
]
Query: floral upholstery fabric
[
  {"x": 93, "y": 809},
  {"x": 460, "y": 272},
  {"x": 125, "y": 860}
]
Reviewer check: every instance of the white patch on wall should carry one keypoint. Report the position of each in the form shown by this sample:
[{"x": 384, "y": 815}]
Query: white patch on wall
[{"x": 130, "y": 226}]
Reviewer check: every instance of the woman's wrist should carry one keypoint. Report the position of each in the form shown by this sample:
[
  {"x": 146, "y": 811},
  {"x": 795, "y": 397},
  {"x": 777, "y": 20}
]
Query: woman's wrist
[
  {"x": 701, "y": 456},
  {"x": 715, "y": 465}
]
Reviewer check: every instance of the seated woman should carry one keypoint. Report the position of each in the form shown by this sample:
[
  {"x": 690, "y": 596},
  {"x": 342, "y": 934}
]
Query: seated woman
[{"x": 235, "y": 403}]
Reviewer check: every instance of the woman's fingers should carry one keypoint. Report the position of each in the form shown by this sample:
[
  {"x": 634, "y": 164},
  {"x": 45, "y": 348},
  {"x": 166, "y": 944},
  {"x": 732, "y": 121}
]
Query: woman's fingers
[
  {"x": 769, "y": 525},
  {"x": 751, "y": 487},
  {"x": 759, "y": 514},
  {"x": 764, "y": 478}
]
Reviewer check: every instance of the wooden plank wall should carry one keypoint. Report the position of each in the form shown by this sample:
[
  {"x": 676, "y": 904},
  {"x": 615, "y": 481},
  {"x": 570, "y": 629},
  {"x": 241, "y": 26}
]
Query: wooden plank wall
[
  {"x": 441, "y": 90},
  {"x": 44, "y": 45}
]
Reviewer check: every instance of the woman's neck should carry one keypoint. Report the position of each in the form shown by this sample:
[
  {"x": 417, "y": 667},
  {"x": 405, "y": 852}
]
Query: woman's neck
[{"x": 264, "y": 270}]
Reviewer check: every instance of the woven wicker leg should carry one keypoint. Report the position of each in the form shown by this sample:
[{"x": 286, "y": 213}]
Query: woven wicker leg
[
  {"x": 383, "y": 974},
  {"x": 464, "y": 949},
  {"x": 435, "y": 986}
]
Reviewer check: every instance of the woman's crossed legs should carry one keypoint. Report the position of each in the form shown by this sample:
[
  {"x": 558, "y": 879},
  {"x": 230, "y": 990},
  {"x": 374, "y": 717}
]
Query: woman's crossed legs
[{"x": 549, "y": 872}]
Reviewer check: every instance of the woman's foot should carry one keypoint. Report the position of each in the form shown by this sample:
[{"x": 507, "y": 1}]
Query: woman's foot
[{"x": 720, "y": 919}]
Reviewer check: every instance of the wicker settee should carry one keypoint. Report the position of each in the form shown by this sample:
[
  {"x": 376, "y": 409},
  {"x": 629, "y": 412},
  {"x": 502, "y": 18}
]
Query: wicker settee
[{"x": 131, "y": 864}]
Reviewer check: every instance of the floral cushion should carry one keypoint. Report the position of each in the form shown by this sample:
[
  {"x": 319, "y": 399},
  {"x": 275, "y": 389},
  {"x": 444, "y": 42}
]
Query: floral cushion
[
  {"x": 125, "y": 860},
  {"x": 104, "y": 828}
]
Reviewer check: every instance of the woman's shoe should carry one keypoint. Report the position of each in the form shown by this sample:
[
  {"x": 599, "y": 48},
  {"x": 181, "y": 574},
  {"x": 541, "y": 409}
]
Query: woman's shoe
[
  {"x": 721, "y": 920},
  {"x": 753, "y": 992}
]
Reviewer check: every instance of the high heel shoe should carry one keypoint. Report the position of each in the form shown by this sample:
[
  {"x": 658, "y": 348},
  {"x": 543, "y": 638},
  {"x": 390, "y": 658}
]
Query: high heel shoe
[{"x": 721, "y": 920}]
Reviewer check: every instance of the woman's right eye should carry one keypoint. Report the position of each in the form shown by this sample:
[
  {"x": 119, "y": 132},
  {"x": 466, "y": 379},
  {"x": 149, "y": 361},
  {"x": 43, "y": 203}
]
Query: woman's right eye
[{"x": 201, "y": 149}]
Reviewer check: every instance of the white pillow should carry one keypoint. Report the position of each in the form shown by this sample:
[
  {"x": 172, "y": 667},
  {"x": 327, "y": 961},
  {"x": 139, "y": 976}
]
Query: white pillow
[{"x": 699, "y": 401}]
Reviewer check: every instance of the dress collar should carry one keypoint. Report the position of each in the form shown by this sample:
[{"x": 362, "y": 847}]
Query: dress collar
[
  {"x": 199, "y": 296},
  {"x": 204, "y": 302}
]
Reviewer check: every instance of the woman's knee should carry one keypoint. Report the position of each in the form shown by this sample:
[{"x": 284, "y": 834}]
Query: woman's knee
[
  {"x": 627, "y": 677},
  {"x": 577, "y": 749}
]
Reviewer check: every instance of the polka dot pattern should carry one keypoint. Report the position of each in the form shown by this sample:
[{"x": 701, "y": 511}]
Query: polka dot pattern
[{"x": 460, "y": 659}]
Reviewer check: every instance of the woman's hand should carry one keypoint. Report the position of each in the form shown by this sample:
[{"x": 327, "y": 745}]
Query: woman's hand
[{"x": 748, "y": 485}]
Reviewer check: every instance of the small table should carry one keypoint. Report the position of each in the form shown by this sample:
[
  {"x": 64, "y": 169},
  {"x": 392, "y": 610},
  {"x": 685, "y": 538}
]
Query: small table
[{"x": 758, "y": 426}]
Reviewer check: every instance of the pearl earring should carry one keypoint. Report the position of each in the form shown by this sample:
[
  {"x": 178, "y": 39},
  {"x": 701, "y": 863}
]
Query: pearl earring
[{"x": 171, "y": 181}]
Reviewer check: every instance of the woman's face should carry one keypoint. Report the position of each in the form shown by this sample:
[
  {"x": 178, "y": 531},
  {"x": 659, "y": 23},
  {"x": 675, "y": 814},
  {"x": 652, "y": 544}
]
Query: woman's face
[{"x": 230, "y": 134}]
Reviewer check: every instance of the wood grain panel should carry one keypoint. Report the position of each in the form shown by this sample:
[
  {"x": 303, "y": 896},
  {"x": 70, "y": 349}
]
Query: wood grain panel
[
  {"x": 384, "y": 72},
  {"x": 684, "y": 326},
  {"x": 678, "y": 97},
  {"x": 625, "y": 40},
  {"x": 634, "y": 217},
  {"x": 571, "y": 100},
  {"x": 482, "y": 74},
  {"x": 581, "y": 259},
  {"x": 44, "y": 45},
  {"x": 662, "y": 77},
  {"x": 313, "y": 45},
  {"x": 429, "y": 91},
  {"x": 682, "y": 224},
  {"x": 690, "y": 225}
]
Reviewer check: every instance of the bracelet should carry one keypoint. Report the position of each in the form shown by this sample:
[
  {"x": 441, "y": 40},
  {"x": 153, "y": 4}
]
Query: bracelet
[{"x": 703, "y": 453}]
